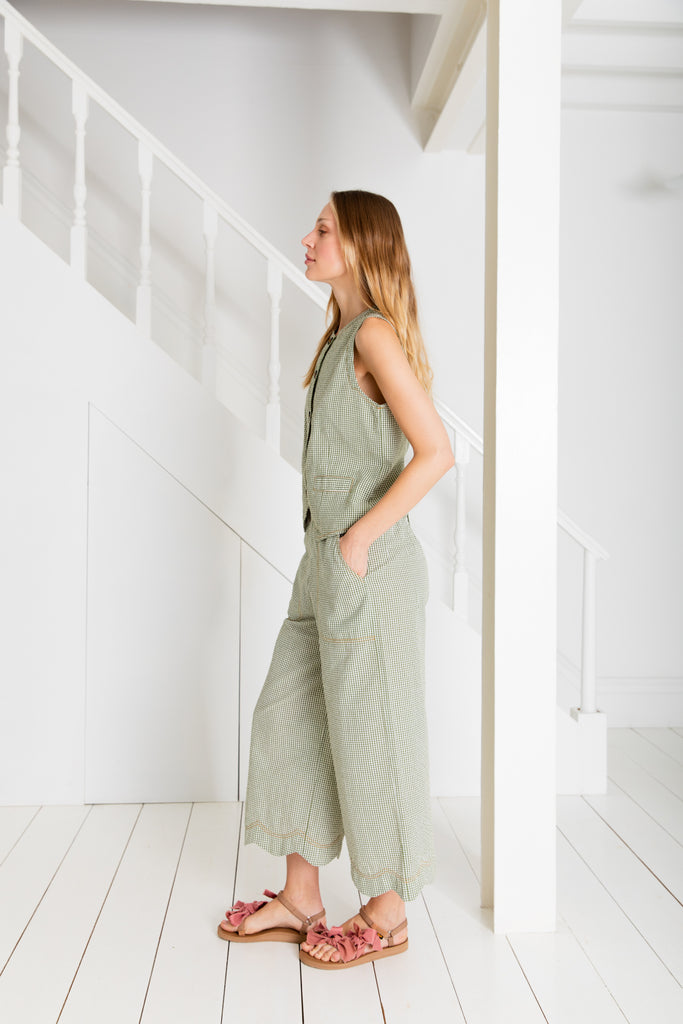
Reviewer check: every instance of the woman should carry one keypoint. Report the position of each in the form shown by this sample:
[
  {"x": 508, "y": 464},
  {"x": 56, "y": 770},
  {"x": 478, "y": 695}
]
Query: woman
[{"x": 339, "y": 736}]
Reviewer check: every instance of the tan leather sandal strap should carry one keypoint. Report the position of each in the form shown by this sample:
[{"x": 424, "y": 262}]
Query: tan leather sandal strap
[
  {"x": 390, "y": 934},
  {"x": 403, "y": 924},
  {"x": 368, "y": 920},
  {"x": 307, "y": 922}
]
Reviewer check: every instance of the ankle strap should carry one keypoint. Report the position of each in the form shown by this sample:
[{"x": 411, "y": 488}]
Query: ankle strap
[
  {"x": 390, "y": 934},
  {"x": 307, "y": 922}
]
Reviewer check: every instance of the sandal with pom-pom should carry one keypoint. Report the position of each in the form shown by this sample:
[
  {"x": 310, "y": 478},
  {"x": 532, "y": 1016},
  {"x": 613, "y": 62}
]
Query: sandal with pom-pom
[
  {"x": 351, "y": 947},
  {"x": 240, "y": 911}
]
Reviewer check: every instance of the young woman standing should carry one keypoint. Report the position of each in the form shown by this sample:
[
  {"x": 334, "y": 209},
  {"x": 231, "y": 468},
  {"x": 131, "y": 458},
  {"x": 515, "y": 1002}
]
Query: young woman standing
[{"x": 339, "y": 735}]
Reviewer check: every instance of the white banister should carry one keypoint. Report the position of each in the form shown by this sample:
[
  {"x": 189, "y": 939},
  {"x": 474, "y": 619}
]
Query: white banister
[
  {"x": 209, "y": 334},
  {"x": 143, "y": 316},
  {"x": 11, "y": 174},
  {"x": 579, "y": 535},
  {"x": 274, "y": 286},
  {"x": 79, "y": 235},
  {"x": 161, "y": 153},
  {"x": 464, "y": 430}
]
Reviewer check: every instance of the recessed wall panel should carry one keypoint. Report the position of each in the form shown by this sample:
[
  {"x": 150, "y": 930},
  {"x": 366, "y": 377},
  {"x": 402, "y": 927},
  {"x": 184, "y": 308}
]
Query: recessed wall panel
[{"x": 162, "y": 633}]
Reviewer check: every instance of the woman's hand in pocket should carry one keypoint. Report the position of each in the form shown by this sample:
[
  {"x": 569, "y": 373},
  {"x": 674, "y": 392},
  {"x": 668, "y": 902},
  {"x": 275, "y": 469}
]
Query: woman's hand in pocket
[{"x": 354, "y": 553}]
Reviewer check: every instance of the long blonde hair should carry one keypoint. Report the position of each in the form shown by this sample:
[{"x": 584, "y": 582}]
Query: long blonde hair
[{"x": 374, "y": 248}]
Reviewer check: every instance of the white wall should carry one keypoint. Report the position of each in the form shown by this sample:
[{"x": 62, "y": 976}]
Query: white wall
[
  {"x": 127, "y": 642},
  {"x": 621, "y": 369},
  {"x": 275, "y": 108},
  {"x": 144, "y": 575}
]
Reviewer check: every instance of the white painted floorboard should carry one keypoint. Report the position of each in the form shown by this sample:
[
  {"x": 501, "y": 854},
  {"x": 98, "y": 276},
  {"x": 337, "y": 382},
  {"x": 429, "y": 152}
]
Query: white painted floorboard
[
  {"x": 491, "y": 987},
  {"x": 37, "y": 979},
  {"x": 662, "y": 766},
  {"x": 647, "y": 791},
  {"x": 108, "y": 914},
  {"x": 667, "y": 740},
  {"x": 112, "y": 980},
  {"x": 30, "y": 867},
  {"x": 651, "y": 843},
  {"x": 188, "y": 978},
  {"x": 564, "y": 981},
  {"x": 654, "y": 912},
  {"x": 13, "y": 822}
]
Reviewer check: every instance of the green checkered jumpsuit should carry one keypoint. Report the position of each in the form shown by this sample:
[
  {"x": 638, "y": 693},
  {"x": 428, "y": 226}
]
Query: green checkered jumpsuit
[{"x": 339, "y": 734}]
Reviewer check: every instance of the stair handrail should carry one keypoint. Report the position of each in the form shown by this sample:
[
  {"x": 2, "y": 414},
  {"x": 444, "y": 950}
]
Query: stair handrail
[
  {"x": 17, "y": 28},
  {"x": 155, "y": 146},
  {"x": 462, "y": 428}
]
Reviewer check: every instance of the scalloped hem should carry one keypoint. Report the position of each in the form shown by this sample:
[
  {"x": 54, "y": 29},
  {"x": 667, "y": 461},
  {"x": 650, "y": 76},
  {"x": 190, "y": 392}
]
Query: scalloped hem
[
  {"x": 317, "y": 854},
  {"x": 408, "y": 889}
]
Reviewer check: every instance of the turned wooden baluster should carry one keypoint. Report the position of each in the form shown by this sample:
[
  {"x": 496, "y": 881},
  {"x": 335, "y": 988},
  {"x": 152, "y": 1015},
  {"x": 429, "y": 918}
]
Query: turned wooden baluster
[
  {"x": 209, "y": 335},
  {"x": 460, "y": 576},
  {"x": 143, "y": 316},
  {"x": 11, "y": 174},
  {"x": 273, "y": 407},
  {"x": 79, "y": 231}
]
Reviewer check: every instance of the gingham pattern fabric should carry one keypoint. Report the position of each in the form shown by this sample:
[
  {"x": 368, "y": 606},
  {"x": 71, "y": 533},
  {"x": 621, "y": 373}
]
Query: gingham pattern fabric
[
  {"x": 339, "y": 734},
  {"x": 353, "y": 448}
]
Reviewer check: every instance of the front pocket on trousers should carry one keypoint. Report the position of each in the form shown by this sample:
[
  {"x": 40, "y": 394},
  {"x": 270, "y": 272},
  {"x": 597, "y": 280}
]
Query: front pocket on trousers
[{"x": 340, "y": 557}]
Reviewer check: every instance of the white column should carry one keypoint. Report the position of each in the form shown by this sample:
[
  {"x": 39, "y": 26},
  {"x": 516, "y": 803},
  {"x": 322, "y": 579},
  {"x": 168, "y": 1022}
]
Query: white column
[
  {"x": 79, "y": 230},
  {"x": 519, "y": 647},
  {"x": 143, "y": 316},
  {"x": 460, "y": 576},
  {"x": 11, "y": 172}
]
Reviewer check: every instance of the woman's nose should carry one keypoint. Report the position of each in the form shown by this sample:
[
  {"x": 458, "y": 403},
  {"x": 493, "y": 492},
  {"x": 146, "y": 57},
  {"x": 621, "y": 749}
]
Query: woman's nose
[{"x": 306, "y": 240}]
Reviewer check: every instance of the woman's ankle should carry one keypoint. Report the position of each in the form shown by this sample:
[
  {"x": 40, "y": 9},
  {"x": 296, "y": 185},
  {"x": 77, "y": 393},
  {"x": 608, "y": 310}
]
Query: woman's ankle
[
  {"x": 389, "y": 906},
  {"x": 303, "y": 897}
]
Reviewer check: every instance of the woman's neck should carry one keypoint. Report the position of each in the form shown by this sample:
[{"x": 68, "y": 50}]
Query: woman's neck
[{"x": 350, "y": 306}]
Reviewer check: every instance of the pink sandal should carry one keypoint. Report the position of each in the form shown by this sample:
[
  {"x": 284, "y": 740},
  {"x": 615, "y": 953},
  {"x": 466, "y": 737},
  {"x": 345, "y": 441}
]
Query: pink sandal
[
  {"x": 350, "y": 946},
  {"x": 240, "y": 911}
]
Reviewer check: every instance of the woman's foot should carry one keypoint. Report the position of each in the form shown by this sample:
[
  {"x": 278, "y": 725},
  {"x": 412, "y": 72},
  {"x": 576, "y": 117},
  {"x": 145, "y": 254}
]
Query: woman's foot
[
  {"x": 275, "y": 915},
  {"x": 387, "y": 911}
]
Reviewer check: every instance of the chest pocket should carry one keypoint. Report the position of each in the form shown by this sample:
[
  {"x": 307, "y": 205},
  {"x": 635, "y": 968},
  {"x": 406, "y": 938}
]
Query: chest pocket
[{"x": 329, "y": 499}]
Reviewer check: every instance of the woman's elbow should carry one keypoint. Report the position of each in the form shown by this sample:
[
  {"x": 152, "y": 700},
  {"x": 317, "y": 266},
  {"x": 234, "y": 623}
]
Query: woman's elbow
[
  {"x": 436, "y": 460},
  {"x": 440, "y": 460}
]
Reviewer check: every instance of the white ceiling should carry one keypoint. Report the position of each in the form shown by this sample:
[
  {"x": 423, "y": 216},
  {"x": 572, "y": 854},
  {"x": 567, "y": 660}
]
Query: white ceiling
[
  {"x": 616, "y": 54},
  {"x": 379, "y": 6}
]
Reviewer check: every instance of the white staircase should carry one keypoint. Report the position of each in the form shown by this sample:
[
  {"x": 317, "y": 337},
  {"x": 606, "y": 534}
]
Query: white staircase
[{"x": 152, "y": 534}]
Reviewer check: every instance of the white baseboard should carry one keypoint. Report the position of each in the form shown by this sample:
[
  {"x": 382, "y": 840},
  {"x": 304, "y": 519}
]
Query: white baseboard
[
  {"x": 628, "y": 701},
  {"x": 654, "y": 702}
]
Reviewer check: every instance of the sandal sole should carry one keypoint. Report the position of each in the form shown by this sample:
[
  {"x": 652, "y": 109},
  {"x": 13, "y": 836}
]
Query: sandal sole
[
  {"x": 327, "y": 965},
  {"x": 266, "y": 935}
]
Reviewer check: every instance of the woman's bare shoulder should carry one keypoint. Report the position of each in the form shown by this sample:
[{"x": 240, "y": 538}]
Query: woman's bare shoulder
[{"x": 376, "y": 334}]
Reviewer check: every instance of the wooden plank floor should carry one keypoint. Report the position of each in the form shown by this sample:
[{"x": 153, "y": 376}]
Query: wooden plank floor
[{"x": 108, "y": 914}]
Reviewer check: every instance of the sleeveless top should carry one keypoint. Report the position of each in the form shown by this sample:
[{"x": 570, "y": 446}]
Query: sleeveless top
[{"x": 353, "y": 447}]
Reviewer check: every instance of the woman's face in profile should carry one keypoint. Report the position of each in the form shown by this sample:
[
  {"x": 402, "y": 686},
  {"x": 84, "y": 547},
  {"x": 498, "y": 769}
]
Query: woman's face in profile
[{"x": 324, "y": 258}]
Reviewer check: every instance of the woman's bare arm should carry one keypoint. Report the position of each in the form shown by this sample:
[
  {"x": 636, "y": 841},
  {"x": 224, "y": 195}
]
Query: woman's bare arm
[{"x": 381, "y": 356}]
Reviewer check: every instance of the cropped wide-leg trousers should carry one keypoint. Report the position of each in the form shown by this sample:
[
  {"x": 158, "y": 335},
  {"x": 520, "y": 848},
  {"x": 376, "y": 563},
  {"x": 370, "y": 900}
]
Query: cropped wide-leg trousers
[{"x": 339, "y": 733}]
